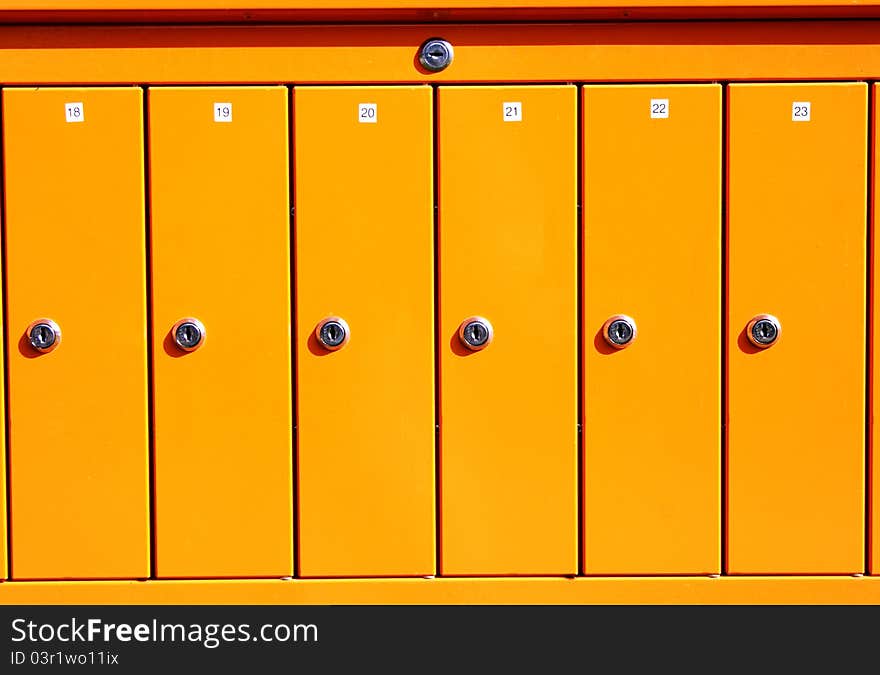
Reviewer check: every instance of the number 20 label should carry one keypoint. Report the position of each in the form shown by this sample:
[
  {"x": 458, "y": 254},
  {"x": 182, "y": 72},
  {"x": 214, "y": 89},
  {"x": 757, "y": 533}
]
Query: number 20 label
[
  {"x": 367, "y": 113},
  {"x": 73, "y": 112},
  {"x": 800, "y": 111}
]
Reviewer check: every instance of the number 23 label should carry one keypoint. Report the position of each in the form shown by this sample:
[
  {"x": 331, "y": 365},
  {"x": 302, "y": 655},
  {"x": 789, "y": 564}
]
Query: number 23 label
[{"x": 800, "y": 111}]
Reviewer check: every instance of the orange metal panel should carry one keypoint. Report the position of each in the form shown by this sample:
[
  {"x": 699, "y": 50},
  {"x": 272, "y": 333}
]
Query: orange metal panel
[
  {"x": 508, "y": 233},
  {"x": 582, "y": 590},
  {"x": 220, "y": 223},
  {"x": 616, "y": 51},
  {"x": 364, "y": 252},
  {"x": 4, "y": 528},
  {"x": 75, "y": 254},
  {"x": 652, "y": 251},
  {"x": 796, "y": 431},
  {"x": 874, "y": 379}
]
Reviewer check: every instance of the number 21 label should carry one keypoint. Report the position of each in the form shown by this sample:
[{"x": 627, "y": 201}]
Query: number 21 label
[{"x": 512, "y": 111}]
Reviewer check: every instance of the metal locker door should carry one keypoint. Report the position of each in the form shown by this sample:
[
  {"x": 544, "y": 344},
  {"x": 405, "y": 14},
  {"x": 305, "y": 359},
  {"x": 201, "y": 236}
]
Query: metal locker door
[
  {"x": 75, "y": 247},
  {"x": 365, "y": 271},
  {"x": 875, "y": 362},
  {"x": 796, "y": 328},
  {"x": 221, "y": 331},
  {"x": 508, "y": 329},
  {"x": 652, "y": 329}
]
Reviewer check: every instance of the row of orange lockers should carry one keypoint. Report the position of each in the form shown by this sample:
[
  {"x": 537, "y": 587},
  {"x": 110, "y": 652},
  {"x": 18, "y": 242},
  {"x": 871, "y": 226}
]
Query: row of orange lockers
[{"x": 127, "y": 210}]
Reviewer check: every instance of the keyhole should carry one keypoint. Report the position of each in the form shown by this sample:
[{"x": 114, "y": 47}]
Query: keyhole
[
  {"x": 44, "y": 336},
  {"x": 476, "y": 334}
]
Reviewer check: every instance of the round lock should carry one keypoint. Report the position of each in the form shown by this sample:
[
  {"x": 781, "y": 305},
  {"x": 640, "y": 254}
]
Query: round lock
[
  {"x": 619, "y": 331},
  {"x": 475, "y": 333},
  {"x": 189, "y": 334},
  {"x": 44, "y": 335},
  {"x": 763, "y": 331},
  {"x": 435, "y": 54},
  {"x": 333, "y": 333}
]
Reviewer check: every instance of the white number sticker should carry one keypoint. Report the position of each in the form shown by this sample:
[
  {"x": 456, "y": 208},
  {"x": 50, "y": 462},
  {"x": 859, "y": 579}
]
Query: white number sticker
[
  {"x": 367, "y": 113},
  {"x": 73, "y": 112},
  {"x": 659, "y": 108},
  {"x": 800, "y": 111},
  {"x": 222, "y": 112},
  {"x": 512, "y": 111}
]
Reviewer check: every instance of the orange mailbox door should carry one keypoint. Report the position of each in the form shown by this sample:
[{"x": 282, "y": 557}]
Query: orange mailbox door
[
  {"x": 508, "y": 240},
  {"x": 796, "y": 402},
  {"x": 875, "y": 361},
  {"x": 221, "y": 331},
  {"x": 364, "y": 254},
  {"x": 75, "y": 249},
  {"x": 652, "y": 381}
]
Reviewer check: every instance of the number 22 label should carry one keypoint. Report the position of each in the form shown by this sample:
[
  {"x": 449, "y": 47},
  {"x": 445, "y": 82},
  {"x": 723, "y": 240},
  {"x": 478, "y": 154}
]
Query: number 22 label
[{"x": 659, "y": 108}]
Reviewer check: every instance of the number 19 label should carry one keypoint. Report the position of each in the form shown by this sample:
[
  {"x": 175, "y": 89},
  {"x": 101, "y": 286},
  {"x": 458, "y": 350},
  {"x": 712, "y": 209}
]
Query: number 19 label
[
  {"x": 73, "y": 112},
  {"x": 222, "y": 112}
]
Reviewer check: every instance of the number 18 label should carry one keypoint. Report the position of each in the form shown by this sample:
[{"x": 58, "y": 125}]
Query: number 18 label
[{"x": 73, "y": 112}]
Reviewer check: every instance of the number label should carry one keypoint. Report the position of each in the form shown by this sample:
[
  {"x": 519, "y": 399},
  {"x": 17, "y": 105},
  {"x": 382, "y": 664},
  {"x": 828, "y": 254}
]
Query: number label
[
  {"x": 512, "y": 111},
  {"x": 222, "y": 112},
  {"x": 367, "y": 113},
  {"x": 73, "y": 112},
  {"x": 659, "y": 108},
  {"x": 800, "y": 111}
]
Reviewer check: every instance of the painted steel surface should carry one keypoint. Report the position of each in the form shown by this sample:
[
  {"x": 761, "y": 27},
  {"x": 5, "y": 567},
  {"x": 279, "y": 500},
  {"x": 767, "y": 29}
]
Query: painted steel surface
[
  {"x": 364, "y": 252},
  {"x": 221, "y": 254}
]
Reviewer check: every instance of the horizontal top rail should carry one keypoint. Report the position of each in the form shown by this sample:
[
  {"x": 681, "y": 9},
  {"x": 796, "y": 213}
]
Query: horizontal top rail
[{"x": 423, "y": 11}]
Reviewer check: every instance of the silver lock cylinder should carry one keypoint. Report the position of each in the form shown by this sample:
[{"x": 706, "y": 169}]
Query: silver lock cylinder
[
  {"x": 620, "y": 331},
  {"x": 764, "y": 330},
  {"x": 44, "y": 335},
  {"x": 333, "y": 333},
  {"x": 435, "y": 54},
  {"x": 188, "y": 334},
  {"x": 476, "y": 333}
]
